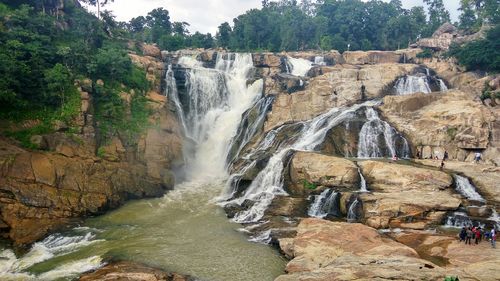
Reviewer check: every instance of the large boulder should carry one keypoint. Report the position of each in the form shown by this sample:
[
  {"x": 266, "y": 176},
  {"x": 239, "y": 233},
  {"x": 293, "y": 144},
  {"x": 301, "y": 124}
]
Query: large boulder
[
  {"x": 321, "y": 170},
  {"x": 405, "y": 196},
  {"x": 151, "y": 50},
  {"x": 324, "y": 250}
]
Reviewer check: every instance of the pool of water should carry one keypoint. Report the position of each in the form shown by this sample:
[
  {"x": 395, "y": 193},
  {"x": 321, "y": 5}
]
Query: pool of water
[{"x": 184, "y": 232}]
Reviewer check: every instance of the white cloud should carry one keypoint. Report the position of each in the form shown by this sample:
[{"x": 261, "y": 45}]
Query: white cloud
[{"x": 206, "y": 15}]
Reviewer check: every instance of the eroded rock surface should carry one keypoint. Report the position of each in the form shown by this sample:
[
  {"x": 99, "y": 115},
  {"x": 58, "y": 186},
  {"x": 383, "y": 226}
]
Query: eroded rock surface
[
  {"x": 324, "y": 250},
  {"x": 406, "y": 196}
]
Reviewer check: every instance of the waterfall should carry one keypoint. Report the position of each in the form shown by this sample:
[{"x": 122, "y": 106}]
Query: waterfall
[
  {"x": 458, "y": 219},
  {"x": 217, "y": 98},
  {"x": 363, "y": 187},
  {"x": 465, "y": 187},
  {"x": 252, "y": 121},
  {"x": 325, "y": 204},
  {"x": 351, "y": 213},
  {"x": 173, "y": 95},
  {"x": 319, "y": 60},
  {"x": 410, "y": 84},
  {"x": 269, "y": 182},
  {"x": 370, "y": 144},
  {"x": 298, "y": 67},
  {"x": 442, "y": 85}
]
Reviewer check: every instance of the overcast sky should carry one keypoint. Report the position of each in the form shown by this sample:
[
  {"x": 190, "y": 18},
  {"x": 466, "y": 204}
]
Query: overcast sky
[{"x": 206, "y": 15}]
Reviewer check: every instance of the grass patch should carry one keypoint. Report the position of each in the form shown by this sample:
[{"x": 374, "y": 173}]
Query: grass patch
[{"x": 309, "y": 185}]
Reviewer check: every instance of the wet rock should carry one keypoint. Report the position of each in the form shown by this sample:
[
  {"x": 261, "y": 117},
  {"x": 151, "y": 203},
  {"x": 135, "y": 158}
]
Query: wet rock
[
  {"x": 131, "y": 271},
  {"x": 288, "y": 206}
]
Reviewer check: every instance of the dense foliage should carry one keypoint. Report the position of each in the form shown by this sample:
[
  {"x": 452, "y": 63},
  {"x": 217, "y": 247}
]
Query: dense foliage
[
  {"x": 43, "y": 50},
  {"x": 481, "y": 54},
  {"x": 331, "y": 24}
]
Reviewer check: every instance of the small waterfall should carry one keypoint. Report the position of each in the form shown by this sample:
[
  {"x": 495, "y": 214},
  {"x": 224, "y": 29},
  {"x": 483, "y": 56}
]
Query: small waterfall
[
  {"x": 298, "y": 67},
  {"x": 351, "y": 213},
  {"x": 252, "y": 122},
  {"x": 442, "y": 85},
  {"x": 459, "y": 220},
  {"x": 172, "y": 93},
  {"x": 465, "y": 187},
  {"x": 327, "y": 203},
  {"x": 363, "y": 187},
  {"x": 319, "y": 60},
  {"x": 410, "y": 84},
  {"x": 377, "y": 134},
  {"x": 269, "y": 182}
]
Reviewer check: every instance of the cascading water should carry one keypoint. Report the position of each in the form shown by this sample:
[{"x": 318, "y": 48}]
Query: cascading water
[
  {"x": 298, "y": 67},
  {"x": 351, "y": 212},
  {"x": 465, "y": 187},
  {"x": 442, "y": 85},
  {"x": 252, "y": 121},
  {"x": 269, "y": 182},
  {"x": 376, "y": 134},
  {"x": 217, "y": 99},
  {"x": 363, "y": 187},
  {"x": 172, "y": 93},
  {"x": 319, "y": 60},
  {"x": 411, "y": 84},
  {"x": 327, "y": 203}
]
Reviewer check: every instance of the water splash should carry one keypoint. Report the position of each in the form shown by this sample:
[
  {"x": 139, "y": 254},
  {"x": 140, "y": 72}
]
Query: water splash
[
  {"x": 351, "y": 213},
  {"x": 410, "y": 84},
  {"x": 319, "y": 60},
  {"x": 362, "y": 184}
]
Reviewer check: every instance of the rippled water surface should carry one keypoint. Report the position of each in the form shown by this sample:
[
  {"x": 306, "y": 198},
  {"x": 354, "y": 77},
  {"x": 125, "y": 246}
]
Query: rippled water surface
[{"x": 183, "y": 232}]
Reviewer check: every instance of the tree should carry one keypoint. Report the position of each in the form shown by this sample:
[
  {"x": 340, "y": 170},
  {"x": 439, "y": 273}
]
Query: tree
[
  {"x": 159, "y": 22},
  {"x": 437, "y": 15},
  {"x": 180, "y": 28},
  {"x": 223, "y": 35},
  {"x": 58, "y": 81},
  {"x": 98, "y": 4},
  {"x": 467, "y": 19}
]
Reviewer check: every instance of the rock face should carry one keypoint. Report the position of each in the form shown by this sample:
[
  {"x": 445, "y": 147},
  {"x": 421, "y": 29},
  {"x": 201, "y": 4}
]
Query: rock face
[
  {"x": 371, "y": 57},
  {"x": 438, "y": 122},
  {"x": 444, "y": 36},
  {"x": 324, "y": 250},
  {"x": 341, "y": 85},
  {"x": 70, "y": 178},
  {"x": 132, "y": 272},
  {"x": 321, "y": 170}
]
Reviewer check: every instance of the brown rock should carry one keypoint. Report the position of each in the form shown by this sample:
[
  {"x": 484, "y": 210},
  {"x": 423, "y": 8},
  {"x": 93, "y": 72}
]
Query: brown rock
[
  {"x": 326, "y": 250},
  {"x": 151, "y": 50},
  {"x": 405, "y": 196},
  {"x": 121, "y": 271},
  {"x": 321, "y": 170},
  {"x": 371, "y": 57},
  {"x": 43, "y": 169}
]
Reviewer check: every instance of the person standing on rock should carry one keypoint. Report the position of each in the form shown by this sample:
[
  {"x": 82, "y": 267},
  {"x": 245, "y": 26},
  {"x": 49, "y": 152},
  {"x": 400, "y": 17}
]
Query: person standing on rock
[
  {"x": 477, "y": 157},
  {"x": 478, "y": 235},
  {"x": 493, "y": 237},
  {"x": 445, "y": 156},
  {"x": 463, "y": 234},
  {"x": 442, "y": 165},
  {"x": 468, "y": 237}
]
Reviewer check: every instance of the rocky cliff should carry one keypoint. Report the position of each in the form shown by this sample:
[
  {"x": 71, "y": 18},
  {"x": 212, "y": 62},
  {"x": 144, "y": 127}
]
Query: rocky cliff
[{"x": 70, "y": 178}]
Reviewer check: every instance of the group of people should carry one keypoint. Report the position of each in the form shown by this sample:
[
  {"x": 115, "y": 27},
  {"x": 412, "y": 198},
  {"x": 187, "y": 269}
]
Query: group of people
[{"x": 477, "y": 234}]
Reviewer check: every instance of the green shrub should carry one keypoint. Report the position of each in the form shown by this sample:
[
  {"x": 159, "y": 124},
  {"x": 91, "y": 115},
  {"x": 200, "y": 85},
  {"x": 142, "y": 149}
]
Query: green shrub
[
  {"x": 309, "y": 185},
  {"x": 426, "y": 53}
]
